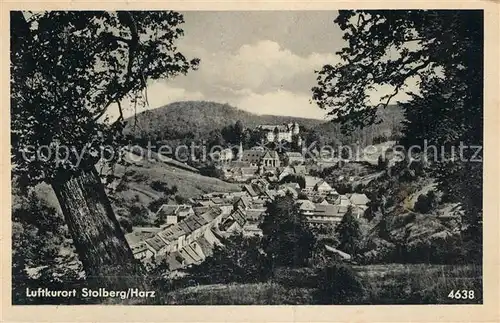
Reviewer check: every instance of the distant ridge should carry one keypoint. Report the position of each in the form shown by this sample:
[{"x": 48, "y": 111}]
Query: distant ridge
[
  {"x": 194, "y": 120},
  {"x": 197, "y": 118}
]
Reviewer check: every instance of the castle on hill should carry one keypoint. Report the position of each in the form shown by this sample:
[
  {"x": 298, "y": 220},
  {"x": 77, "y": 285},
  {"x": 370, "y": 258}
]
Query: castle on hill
[{"x": 284, "y": 132}]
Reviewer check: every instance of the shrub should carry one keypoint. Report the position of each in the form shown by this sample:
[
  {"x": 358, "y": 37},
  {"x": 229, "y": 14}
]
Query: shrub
[
  {"x": 155, "y": 205},
  {"x": 212, "y": 171},
  {"x": 426, "y": 202},
  {"x": 160, "y": 186},
  {"x": 292, "y": 178},
  {"x": 179, "y": 199},
  {"x": 139, "y": 215},
  {"x": 338, "y": 284},
  {"x": 125, "y": 224},
  {"x": 239, "y": 260},
  {"x": 382, "y": 162},
  {"x": 122, "y": 186}
]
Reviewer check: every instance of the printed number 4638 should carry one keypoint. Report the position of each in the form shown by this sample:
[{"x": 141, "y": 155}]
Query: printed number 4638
[{"x": 461, "y": 294}]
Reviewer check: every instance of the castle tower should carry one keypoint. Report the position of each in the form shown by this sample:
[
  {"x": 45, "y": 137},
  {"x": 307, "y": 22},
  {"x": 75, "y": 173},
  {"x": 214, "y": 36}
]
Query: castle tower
[
  {"x": 240, "y": 152},
  {"x": 299, "y": 141}
]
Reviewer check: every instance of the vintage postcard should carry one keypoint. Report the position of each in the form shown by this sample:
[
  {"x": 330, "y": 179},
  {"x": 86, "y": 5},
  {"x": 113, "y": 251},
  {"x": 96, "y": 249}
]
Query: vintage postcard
[{"x": 339, "y": 162}]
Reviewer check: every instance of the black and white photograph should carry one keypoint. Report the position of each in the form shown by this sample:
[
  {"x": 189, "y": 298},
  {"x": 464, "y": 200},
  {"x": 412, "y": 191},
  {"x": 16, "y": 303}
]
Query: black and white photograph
[{"x": 305, "y": 157}]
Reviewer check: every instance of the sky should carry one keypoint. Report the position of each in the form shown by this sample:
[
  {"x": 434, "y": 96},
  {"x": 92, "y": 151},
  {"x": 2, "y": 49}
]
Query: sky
[
  {"x": 262, "y": 62},
  {"x": 258, "y": 61}
]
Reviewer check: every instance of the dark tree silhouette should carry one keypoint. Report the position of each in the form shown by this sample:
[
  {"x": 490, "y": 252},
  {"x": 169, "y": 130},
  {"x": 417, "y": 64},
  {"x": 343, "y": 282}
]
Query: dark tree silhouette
[
  {"x": 348, "y": 233},
  {"x": 67, "y": 69},
  {"x": 288, "y": 240},
  {"x": 443, "y": 51}
]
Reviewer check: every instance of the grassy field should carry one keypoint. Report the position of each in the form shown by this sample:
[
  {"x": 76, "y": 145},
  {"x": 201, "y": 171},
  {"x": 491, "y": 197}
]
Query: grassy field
[
  {"x": 140, "y": 174},
  {"x": 384, "y": 284},
  {"x": 268, "y": 293},
  {"x": 420, "y": 283}
]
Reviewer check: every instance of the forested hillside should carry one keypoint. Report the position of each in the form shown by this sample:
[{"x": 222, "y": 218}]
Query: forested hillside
[{"x": 194, "y": 120}]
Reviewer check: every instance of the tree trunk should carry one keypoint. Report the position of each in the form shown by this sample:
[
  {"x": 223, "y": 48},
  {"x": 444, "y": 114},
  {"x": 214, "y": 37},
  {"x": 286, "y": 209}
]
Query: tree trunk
[{"x": 98, "y": 238}]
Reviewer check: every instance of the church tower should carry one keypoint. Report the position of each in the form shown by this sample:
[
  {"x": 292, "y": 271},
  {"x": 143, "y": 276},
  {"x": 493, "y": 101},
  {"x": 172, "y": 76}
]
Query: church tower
[{"x": 240, "y": 152}]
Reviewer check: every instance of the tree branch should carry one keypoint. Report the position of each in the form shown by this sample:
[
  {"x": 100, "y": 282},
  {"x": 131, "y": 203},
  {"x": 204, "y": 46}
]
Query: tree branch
[{"x": 128, "y": 20}]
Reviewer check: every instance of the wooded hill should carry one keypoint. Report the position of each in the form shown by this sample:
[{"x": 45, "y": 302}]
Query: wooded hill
[{"x": 193, "y": 120}]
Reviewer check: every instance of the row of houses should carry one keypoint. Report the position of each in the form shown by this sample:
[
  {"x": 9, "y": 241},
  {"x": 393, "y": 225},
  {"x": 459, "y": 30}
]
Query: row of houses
[{"x": 190, "y": 231}]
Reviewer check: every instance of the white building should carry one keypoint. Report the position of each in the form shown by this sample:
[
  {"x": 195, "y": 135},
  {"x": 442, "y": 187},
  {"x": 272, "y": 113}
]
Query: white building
[{"x": 283, "y": 132}]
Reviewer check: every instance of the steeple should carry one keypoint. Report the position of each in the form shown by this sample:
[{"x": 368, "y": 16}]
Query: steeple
[{"x": 240, "y": 151}]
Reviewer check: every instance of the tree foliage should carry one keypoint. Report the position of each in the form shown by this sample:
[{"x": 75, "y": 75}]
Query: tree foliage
[
  {"x": 348, "y": 232},
  {"x": 294, "y": 178},
  {"x": 339, "y": 284},
  {"x": 288, "y": 240},
  {"x": 439, "y": 50},
  {"x": 68, "y": 68},
  {"x": 240, "y": 260},
  {"x": 38, "y": 235}
]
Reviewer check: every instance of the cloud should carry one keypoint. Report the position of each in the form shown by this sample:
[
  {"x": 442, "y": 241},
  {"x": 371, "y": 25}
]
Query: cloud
[
  {"x": 260, "y": 67},
  {"x": 280, "y": 103},
  {"x": 261, "y": 77}
]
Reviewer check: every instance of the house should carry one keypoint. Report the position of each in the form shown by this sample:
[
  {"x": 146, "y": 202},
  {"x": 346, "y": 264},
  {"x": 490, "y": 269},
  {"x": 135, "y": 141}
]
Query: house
[
  {"x": 270, "y": 195},
  {"x": 246, "y": 173},
  {"x": 359, "y": 199},
  {"x": 255, "y": 215},
  {"x": 270, "y": 158},
  {"x": 324, "y": 202},
  {"x": 176, "y": 236},
  {"x": 226, "y": 155},
  {"x": 288, "y": 170},
  {"x": 294, "y": 158},
  {"x": 251, "y": 192},
  {"x": 306, "y": 207},
  {"x": 326, "y": 214},
  {"x": 200, "y": 209},
  {"x": 288, "y": 190},
  {"x": 238, "y": 194},
  {"x": 208, "y": 196},
  {"x": 140, "y": 234},
  {"x": 299, "y": 169},
  {"x": 243, "y": 202},
  {"x": 261, "y": 157},
  {"x": 204, "y": 203},
  {"x": 311, "y": 182},
  {"x": 252, "y": 156},
  {"x": 167, "y": 212},
  {"x": 217, "y": 201},
  {"x": 258, "y": 203},
  {"x": 322, "y": 187},
  {"x": 241, "y": 173},
  {"x": 141, "y": 251},
  {"x": 251, "y": 230},
  {"x": 234, "y": 222},
  {"x": 193, "y": 253},
  {"x": 295, "y": 186},
  {"x": 342, "y": 200},
  {"x": 157, "y": 245},
  {"x": 358, "y": 211},
  {"x": 261, "y": 183}
]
